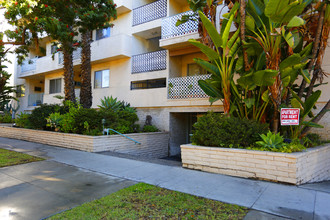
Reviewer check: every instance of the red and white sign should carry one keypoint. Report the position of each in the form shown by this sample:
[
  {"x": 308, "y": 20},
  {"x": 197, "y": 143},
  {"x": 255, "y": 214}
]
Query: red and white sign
[{"x": 290, "y": 116}]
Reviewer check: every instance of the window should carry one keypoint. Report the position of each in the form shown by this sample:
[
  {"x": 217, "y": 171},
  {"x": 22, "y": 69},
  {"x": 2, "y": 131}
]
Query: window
[
  {"x": 55, "y": 86},
  {"x": 148, "y": 84},
  {"x": 102, "y": 33},
  {"x": 194, "y": 70},
  {"x": 101, "y": 79},
  {"x": 53, "y": 49},
  {"x": 20, "y": 91}
]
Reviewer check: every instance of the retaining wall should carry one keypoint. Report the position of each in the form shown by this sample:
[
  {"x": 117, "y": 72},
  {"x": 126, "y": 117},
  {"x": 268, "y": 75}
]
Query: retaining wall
[
  {"x": 295, "y": 168},
  {"x": 152, "y": 144}
]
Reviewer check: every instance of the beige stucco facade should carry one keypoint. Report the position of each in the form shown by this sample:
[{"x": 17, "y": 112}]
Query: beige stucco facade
[{"x": 136, "y": 35}]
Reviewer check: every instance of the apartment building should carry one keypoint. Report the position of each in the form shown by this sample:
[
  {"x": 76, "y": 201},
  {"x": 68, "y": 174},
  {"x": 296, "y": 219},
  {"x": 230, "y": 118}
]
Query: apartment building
[{"x": 144, "y": 60}]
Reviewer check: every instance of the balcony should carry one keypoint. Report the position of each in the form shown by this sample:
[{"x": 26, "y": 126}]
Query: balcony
[
  {"x": 29, "y": 65},
  {"x": 111, "y": 48},
  {"x": 123, "y": 6},
  {"x": 150, "y": 12},
  {"x": 35, "y": 99},
  {"x": 147, "y": 19},
  {"x": 75, "y": 56},
  {"x": 148, "y": 62},
  {"x": 177, "y": 36},
  {"x": 186, "y": 87}
]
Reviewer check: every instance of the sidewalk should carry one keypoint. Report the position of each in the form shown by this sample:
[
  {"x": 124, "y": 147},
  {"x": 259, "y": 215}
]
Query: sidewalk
[{"x": 305, "y": 202}]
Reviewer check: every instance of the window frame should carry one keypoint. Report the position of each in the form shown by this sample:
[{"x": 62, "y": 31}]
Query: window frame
[
  {"x": 149, "y": 84},
  {"x": 102, "y": 72},
  {"x": 55, "y": 91},
  {"x": 20, "y": 91}
]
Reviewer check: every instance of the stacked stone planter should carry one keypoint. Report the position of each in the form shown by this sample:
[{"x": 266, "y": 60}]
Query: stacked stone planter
[
  {"x": 310, "y": 166},
  {"x": 153, "y": 145}
]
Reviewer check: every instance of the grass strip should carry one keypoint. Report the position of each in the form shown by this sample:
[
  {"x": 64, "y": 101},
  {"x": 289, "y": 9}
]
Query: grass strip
[
  {"x": 143, "y": 201},
  {"x": 10, "y": 158}
]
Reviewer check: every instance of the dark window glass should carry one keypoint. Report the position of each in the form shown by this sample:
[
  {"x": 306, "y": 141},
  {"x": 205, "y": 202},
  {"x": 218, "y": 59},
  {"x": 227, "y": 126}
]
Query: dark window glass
[
  {"x": 54, "y": 86},
  {"x": 102, "y": 33},
  {"x": 148, "y": 84}
]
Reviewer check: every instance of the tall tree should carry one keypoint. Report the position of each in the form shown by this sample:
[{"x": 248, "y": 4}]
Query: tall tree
[
  {"x": 37, "y": 17},
  {"x": 5, "y": 90},
  {"x": 92, "y": 15}
]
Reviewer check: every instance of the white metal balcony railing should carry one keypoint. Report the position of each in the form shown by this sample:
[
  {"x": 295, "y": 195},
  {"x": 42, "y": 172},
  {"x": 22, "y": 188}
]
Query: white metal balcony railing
[
  {"x": 29, "y": 65},
  {"x": 35, "y": 99},
  {"x": 75, "y": 56},
  {"x": 150, "y": 12},
  {"x": 186, "y": 87},
  {"x": 169, "y": 28},
  {"x": 148, "y": 62}
]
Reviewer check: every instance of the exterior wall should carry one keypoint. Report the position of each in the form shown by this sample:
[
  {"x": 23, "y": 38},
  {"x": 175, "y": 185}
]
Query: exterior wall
[
  {"x": 153, "y": 145},
  {"x": 295, "y": 168},
  {"x": 115, "y": 54}
]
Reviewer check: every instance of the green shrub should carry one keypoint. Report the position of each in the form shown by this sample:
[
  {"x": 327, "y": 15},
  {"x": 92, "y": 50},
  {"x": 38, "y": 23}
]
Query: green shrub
[
  {"x": 91, "y": 116},
  {"x": 122, "y": 121},
  {"x": 38, "y": 116},
  {"x": 150, "y": 128},
  {"x": 214, "y": 129},
  {"x": 312, "y": 140},
  {"x": 6, "y": 118},
  {"x": 54, "y": 120},
  {"x": 22, "y": 120}
]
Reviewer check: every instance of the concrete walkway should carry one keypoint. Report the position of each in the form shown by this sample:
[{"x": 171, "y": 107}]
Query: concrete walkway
[{"x": 304, "y": 202}]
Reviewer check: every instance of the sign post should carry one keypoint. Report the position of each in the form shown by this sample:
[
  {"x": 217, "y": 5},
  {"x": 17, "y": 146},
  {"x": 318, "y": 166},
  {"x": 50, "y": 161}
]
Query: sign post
[{"x": 290, "y": 116}]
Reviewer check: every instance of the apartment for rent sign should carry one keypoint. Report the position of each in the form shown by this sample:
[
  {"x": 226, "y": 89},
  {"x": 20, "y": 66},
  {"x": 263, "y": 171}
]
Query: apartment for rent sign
[{"x": 290, "y": 116}]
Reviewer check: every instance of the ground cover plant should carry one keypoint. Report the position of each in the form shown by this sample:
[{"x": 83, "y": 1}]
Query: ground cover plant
[
  {"x": 143, "y": 201},
  {"x": 10, "y": 158}
]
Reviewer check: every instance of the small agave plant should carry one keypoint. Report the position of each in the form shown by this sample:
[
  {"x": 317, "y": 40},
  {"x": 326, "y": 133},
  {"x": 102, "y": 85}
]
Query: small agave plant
[{"x": 271, "y": 140}]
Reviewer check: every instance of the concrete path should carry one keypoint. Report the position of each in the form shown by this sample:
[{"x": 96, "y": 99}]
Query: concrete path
[{"x": 305, "y": 202}]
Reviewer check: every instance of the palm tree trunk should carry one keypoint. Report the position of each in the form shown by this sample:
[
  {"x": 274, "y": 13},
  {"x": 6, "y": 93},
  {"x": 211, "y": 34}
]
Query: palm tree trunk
[
  {"x": 86, "y": 98},
  {"x": 315, "y": 51},
  {"x": 242, "y": 32},
  {"x": 68, "y": 73}
]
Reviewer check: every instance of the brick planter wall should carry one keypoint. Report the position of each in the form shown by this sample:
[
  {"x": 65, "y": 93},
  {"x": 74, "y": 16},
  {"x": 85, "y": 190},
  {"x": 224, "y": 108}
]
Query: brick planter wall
[
  {"x": 295, "y": 168},
  {"x": 152, "y": 144}
]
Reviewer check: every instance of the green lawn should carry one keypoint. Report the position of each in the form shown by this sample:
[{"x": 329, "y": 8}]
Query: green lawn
[
  {"x": 10, "y": 158},
  {"x": 143, "y": 201}
]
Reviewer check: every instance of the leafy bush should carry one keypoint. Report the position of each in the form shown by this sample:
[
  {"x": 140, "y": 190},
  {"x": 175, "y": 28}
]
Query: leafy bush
[
  {"x": 214, "y": 129},
  {"x": 150, "y": 128},
  {"x": 54, "y": 120},
  {"x": 23, "y": 121},
  {"x": 312, "y": 140},
  {"x": 6, "y": 118},
  {"x": 91, "y": 116},
  {"x": 39, "y": 115}
]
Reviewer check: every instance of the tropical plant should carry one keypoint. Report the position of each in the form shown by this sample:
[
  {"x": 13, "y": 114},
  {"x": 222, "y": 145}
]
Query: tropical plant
[
  {"x": 271, "y": 141},
  {"x": 110, "y": 103},
  {"x": 220, "y": 61},
  {"x": 54, "y": 121}
]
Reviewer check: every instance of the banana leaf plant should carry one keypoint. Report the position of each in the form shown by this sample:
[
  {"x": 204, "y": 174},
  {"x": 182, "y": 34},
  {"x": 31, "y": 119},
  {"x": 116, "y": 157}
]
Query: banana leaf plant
[
  {"x": 272, "y": 26},
  {"x": 220, "y": 61}
]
